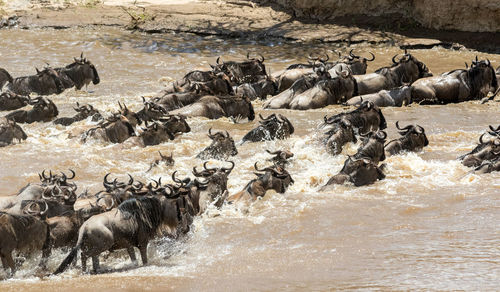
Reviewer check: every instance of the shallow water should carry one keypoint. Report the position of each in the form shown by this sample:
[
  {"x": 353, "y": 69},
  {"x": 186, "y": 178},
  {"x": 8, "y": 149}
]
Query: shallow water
[{"x": 428, "y": 225}]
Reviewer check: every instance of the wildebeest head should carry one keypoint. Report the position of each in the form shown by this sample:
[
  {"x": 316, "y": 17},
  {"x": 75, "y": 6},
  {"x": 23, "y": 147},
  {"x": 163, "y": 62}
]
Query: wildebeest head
[
  {"x": 61, "y": 180},
  {"x": 11, "y": 101},
  {"x": 362, "y": 171},
  {"x": 372, "y": 146},
  {"x": 488, "y": 166},
  {"x": 43, "y": 110},
  {"x": 413, "y": 69},
  {"x": 175, "y": 124},
  {"x": 215, "y": 180},
  {"x": 275, "y": 126},
  {"x": 338, "y": 135},
  {"x": 151, "y": 111},
  {"x": 10, "y": 130},
  {"x": 482, "y": 78},
  {"x": 221, "y": 148},
  {"x": 87, "y": 110},
  {"x": 155, "y": 134},
  {"x": 237, "y": 107},
  {"x": 486, "y": 150},
  {"x": 280, "y": 157},
  {"x": 365, "y": 118},
  {"x": 131, "y": 116},
  {"x": 356, "y": 63},
  {"x": 273, "y": 178},
  {"x": 415, "y": 135}
]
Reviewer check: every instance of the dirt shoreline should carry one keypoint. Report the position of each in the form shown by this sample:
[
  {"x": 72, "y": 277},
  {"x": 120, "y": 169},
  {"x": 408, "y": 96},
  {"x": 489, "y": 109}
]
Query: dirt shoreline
[{"x": 246, "y": 19}]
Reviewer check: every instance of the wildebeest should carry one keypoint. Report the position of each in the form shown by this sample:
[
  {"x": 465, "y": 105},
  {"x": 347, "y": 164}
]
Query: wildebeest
[
  {"x": 399, "y": 96},
  {"x": 270, "y": 178},
  {"x": 221, "y": 148},
  {"x": 115, "y": 129},
  {"x": 301, "y": 85},
  {"x": 79, "y": 73},
  {"x": 9, "y": 131},
  {"x": 457, "y": 85},
  {"x": 339, "y": 133},
  {"x": 372, "y": 147},
  {"x": 167, "y": 160},
  {"x": 359, "y": 172},
  {"x": 4, "y": 77},
  {"x": 406, "y": 70},
  {"x": 83, "y": 112},
  {"x": 151, "y": 111},
  {"x": 275, "y": 126},
  {"x": 260, "y": 89},
  {"x": 280, "y": 157},
  {"x": 486, "y": 150},
  {"x": 11, "y": 101},
  {"x": 355, "y": 64},
  {"x": 23, "y": 233},
  {"x": 214, "y": 189},
  {"x": 214, "y": 107},
  {"x": 248, "y": 71},
  {"x": 326, "y": 92},
  {"x": 489, "y": 166},
  {"x": 413, "y": 139},
  {"x": 367, "y": 117},
  {"x": 161, "y": 131},
  {"x": 132, "y": 224},
  {"x": 44, "y": 110},
  {"x": 45, "y": 82}
]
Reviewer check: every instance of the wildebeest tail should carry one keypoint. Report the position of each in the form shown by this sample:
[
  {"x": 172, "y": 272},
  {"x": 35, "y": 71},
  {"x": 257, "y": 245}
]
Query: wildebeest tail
[{"x": 68, "y": 260}]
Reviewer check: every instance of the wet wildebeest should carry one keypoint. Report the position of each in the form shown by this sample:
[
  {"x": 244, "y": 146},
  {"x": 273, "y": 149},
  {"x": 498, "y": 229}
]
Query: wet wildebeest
[
  {"x": 248, "y": 71},
  {"x": 132, "y": 224},
  {"x": 486, "y": 150},
  {"x": 372, "y": 147},
  {"x": 214, "y": 189},
  {"x": 4, "y": 77},
  {"x": 23, "y": 233},
  {"x": 413, "y": 139},
  {"x": 326, "y": 92},
  {"x": 11, "y": 101},
  {"x": 355, "y": 64},
  {"x": 275, "y": 126},
  {"x": 407, "y": 69},
  {"x": 161, "y": 131},
  {"x": 214, "y": 107},
  {"x": 131, "y": 116},
  {"x": 186, "y": 81},
  {"x": 167, "y": 160},
  {"x": 280, "y": 157},
  {"x": 44, "y": 110},
  {"x": 488, "y": 166},
  {"x": 45, "y": 82},
  {"x": 301, "y": 85},
  {"x": 115, "y": 129},
  {"x": 339, "y": 133},
  {"x": 399, "y": 96},
  {"x": 83, "y": 112},
  {"x": 151, "y": 111},
  {"x": 221, "y": 148},
  {"x": 9, "y": 131},
  {"x": 367, "y": 117},
  {"x": 270, "y": 178},
  {"x": 79, "y": 73},
  {"x": 260, "y": 89},
  {"x": 359, "y": 172},
  {"x": 457, "y": 85}
]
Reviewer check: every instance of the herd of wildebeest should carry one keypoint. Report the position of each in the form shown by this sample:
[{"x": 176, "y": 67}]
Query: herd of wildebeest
[{"x": 127, "y": 214}]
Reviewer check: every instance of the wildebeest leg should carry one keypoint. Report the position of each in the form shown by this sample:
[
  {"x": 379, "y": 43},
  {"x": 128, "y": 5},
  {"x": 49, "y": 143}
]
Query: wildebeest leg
[
  {"x": 131, "y": 253},
  {"x": 10, "y": 262},
  {"x": 75, "y": 260},
  {"x": 45, "y": 255},
  {"x": 84, "y": 262},
  {"x": 95, "y": 263},
  {"x": 144, "y": 253}
]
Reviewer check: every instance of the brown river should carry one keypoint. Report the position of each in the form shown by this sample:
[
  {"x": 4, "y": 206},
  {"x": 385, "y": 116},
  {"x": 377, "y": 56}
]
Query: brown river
[{"x": 430, "y": 225}]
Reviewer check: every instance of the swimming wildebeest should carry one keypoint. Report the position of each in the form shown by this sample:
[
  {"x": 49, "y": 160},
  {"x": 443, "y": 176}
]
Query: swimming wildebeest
[
  {"x": 215, "y": 107},
  {"x": 406, "y": 70},
  {"x": 132, "y": 224},
  {"x": 486, "y": 150},
  {"x": 367, "y": 117},
  {"x": 221, "y": 148},
  {"x": 167, "y": 160},
  {"x": 413, "y": 139},
  {"x": 457, "y": 85},
  {"x": 275, "y": 126},
  {"x": 399, "y": 96},
  {"x": 10, "y": 130},
  {"x": 45, "y": 82},
  {"x": 11, "y": 101},
  {"x": 359, "y": 172},
  {"x": 79, "y": 73},
  {"x": 339, "y": 133},
  {"x": 44, "y": 110},
  {"x": 83, "y": 112}
]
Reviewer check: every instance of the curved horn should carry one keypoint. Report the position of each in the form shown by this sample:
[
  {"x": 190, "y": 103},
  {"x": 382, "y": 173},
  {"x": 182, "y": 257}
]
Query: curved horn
[
  {"x": 394, "y": 59},
  {"x": 493, "y": 129},
  {"x": 227, "y": 134},
  {"x": 372, "y": 59},
  {"x": 481, "y": 139},
  {"x": 131, "y": 179},
  {"x": 352, "y": 55},
  {"x": 324, "y": 60},
  {"x": 218, "y": 60},
  {"x": 403, "y": 129},
  {"x": 225, "y": 169},
  {"x": 276, "y": 152},
  {"x": 257, "y": 168},
  {"x": 420, "y": 129},
  {"x": 382, "y": 135},
  {"x": 210, "y": 135},
  {"x": 261, "y": 59}
]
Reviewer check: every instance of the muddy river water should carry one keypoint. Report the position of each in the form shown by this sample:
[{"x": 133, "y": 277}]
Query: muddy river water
[{"x": 428, "y": 225}]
